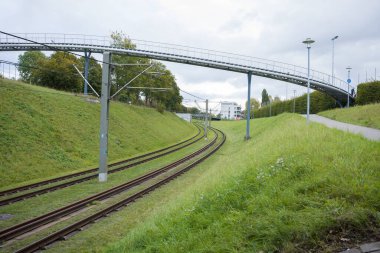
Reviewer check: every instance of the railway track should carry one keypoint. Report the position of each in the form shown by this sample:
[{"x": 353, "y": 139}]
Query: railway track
[
  {"x": 138, "y": 160},
  {"x": 32, "y": 224},
  {"x": 57, "y": 179}
]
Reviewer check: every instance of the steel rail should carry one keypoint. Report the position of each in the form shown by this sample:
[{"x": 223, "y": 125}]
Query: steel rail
[
  {"x": 24, "y": 227},
  {"x": 86, "y": 178},
  {"x": 77, "y": 226},
  {"x": 57, "y": 179}
]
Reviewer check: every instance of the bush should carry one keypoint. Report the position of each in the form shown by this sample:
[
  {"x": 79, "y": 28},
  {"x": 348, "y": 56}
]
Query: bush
[
  {"x": 368, "y": 93},
  {"x": 318, "y": 102}
]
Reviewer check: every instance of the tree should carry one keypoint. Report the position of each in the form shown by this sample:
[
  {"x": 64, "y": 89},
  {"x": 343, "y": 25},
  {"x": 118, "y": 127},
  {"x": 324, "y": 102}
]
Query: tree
[
  {"x": 319, "y": 102},
  {"x": 123, "y": 74},
  {"x": 255, "y": 104},
  {"x": 368, "y": 93},
  {"x": 58, "y": 72},
  {"x": 264, "y": 97},
  {"x": 28, "y": 63},
  {"x": 161, "y": 78},
  {"x": 276, "y": 99}
]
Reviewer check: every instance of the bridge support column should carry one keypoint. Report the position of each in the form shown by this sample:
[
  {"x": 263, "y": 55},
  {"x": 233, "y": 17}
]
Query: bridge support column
[
  {"x": 86, "y": 67},
  {"x": 104, "y": 116},
  {"x": 248, "y": 116}
]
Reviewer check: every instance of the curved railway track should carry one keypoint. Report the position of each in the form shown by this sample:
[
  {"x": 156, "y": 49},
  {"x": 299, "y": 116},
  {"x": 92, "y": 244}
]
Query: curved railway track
[
  {"x": 57, "y": 179},
  {"x": 150, "y": 156},
  {"x": 32, "y": 224}
]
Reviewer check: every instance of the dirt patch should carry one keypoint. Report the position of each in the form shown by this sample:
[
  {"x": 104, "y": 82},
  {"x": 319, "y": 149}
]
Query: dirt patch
[{"x": 344, "y": 235}]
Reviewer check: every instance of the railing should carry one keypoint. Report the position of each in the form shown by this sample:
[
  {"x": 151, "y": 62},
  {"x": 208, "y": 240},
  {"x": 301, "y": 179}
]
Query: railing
[
  {"x": 8, "y": 70},
  {"x": 181, "y": 51}
]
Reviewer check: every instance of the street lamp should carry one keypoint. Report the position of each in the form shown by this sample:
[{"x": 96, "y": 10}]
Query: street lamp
[
  {"x": 348, "y": 85},
  {"x": 332, "y": 68},
  {"x": 308, "y": 43}
]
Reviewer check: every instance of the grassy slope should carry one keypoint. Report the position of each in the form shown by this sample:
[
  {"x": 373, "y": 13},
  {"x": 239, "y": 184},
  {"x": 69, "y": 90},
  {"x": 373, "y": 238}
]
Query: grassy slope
[
  {"x": 46, "y": 133},
  {"x": 365, "y": 115},
  {"x": 290, "y": 188}
]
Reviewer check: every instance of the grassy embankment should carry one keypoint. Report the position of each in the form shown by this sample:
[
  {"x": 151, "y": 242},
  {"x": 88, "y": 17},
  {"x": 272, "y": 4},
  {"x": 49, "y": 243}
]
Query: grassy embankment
[
  {"x": 365, "y": 115},
  {"x": 46, "y": 133},
  {"x": 291, "y": 188}
]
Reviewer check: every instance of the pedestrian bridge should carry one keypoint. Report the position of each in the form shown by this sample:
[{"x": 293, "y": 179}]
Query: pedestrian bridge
[{"x": 336, "y": 87}]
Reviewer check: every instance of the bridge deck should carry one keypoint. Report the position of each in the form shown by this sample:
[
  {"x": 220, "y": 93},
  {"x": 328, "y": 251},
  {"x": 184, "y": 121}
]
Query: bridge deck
[{"x": 182, "y": 54}]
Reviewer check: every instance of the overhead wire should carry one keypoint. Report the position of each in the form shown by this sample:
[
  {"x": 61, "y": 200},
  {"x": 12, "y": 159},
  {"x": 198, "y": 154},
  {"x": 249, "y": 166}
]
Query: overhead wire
[{"x": 191, "y": 94}]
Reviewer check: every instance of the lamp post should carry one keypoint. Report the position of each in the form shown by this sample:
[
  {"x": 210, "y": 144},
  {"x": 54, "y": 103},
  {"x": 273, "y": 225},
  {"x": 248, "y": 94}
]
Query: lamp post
[
  {"x": 332, "y": 68},
  {"x": 270, "y": 107},
  {"x": 348, "y": 86},
  {"x": 308, "y": 43}
]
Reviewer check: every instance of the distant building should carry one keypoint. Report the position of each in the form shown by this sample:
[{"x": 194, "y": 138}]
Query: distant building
[{"x": 230, "y": 110}]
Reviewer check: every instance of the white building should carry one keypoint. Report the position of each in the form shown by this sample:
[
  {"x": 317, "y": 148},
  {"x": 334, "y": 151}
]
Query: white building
[{"x": 230, "y": 110}]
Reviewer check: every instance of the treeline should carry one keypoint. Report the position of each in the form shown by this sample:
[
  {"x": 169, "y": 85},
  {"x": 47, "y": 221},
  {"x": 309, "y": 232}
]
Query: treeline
[
  {"x": 318, "y": 102},
  {"x": 368, "y": 93},
  {"x": 57, "y": 71}
]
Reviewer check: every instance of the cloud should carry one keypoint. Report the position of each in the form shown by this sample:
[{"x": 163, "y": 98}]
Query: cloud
[{"x": 268, "y": 29}]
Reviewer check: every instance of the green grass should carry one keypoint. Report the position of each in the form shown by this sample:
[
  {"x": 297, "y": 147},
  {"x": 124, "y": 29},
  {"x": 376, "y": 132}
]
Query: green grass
[
  {"x": 291, "y": 188},
  {"x": 46, "y": 133},
  {"x": 48, "y": 202},
  {"x": 364, "y": 115}
]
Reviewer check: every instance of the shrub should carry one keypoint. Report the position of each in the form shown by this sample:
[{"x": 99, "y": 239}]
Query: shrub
[
  {"x": 368, "y": 93},
  {"x": 318, "y": 102}
]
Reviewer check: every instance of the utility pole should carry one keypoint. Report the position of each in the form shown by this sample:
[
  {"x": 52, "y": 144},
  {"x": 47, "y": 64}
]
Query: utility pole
[
  {"x": 248, "y": 117},
  {"x": 348, "y": 86},
  {"x": 308, "y": 43},
  {"x": 294, "y": 101},
  {"x": 104, "y": 116},
  {"x": 206, "y": 119},
  {"x": 332, "y": 68},
  {"x": 270, "y": 108},
  {"x": 210, "y": 119}
]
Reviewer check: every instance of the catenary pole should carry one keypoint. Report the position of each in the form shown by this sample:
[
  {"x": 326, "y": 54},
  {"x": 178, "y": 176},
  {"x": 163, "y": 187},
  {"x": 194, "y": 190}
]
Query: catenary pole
[
  {"x": 206, "y": 119},
  {"x": 104, "y": 116},
  {"x": 248, "y": 116}
]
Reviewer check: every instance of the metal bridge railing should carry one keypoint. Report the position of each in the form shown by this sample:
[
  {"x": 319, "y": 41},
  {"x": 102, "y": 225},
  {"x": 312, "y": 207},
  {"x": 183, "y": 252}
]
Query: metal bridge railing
[{"x": 182, "y": 51}]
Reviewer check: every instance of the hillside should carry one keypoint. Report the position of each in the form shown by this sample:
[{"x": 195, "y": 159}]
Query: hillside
[
  {"x": 291, "y": 188},
  {"x": 47, "y": 133},
  {"x": 364, "y": 115}
]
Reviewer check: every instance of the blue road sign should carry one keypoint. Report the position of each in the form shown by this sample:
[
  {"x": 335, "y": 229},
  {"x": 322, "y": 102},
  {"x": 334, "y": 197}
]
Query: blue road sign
[{"x": 348, "y": 80}]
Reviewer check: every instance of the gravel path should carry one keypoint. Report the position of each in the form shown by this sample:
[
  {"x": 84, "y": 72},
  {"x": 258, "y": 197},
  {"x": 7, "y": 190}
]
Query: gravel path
[{"x": 369, "y": 133}]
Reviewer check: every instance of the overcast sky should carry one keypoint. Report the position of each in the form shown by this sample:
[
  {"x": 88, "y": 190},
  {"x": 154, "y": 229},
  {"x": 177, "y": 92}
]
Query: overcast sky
[{"x": 271, "y": 29}]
